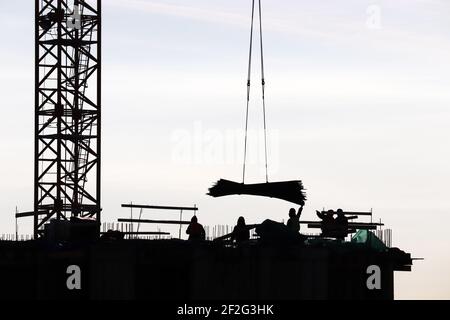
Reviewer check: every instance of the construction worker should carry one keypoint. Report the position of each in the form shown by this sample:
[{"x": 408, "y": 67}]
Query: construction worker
[
  {"x": 240, "y": 231},
  {"x": 294, "y": 219},
  {"x": 328, "y": 222},
  {"x": 341, "y": 224},
  {"x": 195, "y": 230}
]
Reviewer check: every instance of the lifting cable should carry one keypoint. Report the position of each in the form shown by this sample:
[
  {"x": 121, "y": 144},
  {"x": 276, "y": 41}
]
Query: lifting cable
[{"x": 263, "y": 82}]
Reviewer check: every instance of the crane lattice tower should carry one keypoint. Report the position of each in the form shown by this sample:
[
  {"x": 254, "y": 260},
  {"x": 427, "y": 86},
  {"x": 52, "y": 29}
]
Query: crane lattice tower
[{"x": 67, "y": 110}]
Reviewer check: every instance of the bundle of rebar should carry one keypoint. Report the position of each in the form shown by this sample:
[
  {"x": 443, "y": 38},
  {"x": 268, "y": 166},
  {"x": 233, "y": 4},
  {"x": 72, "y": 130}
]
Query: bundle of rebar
[{"x": 291, "y": 191}]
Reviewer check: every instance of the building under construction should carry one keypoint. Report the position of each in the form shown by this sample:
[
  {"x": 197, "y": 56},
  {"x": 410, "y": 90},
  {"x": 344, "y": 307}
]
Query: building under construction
[{"x": 126, "y": 264}]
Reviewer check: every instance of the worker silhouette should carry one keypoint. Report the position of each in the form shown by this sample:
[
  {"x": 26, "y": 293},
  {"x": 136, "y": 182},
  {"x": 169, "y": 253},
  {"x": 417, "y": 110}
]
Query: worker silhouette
[
  {"x": 341, "y": 224},
  {"x": 195, "y": 230},
  {"x": 293, "y": 223},
  {"x": 241, "y": 232},
  {"x": 328, "y": 222}
]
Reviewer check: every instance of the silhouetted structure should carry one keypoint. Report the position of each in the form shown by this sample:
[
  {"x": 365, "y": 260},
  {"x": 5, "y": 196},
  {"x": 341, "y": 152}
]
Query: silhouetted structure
[
  {"x": 276, "y": 232},
  {"x": 67, "y": 114},
  {"x": 132, "y": 269},
  {"x": 279, "y": 264},
  {"x": 153, "y": 207}
]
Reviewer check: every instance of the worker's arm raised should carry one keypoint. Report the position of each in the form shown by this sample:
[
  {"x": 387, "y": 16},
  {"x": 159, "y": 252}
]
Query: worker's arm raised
[{"x": 299, "y": 212}]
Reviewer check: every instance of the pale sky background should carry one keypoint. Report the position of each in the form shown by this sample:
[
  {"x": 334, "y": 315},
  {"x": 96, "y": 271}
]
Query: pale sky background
[{"x": 359, "y": 113}]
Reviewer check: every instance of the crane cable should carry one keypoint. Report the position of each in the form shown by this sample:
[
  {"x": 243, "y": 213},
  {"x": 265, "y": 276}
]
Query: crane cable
[
  {"x": 263, "y": 82},
  {"x": 263, "y": 85}
]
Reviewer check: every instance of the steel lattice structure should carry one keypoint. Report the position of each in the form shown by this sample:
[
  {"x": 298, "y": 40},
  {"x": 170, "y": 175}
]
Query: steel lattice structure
[{"x": 67, "y": 110}]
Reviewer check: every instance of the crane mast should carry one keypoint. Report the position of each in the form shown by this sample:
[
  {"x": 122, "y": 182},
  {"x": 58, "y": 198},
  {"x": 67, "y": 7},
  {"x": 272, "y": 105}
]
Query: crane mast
[{"x": 67, "y": 110}]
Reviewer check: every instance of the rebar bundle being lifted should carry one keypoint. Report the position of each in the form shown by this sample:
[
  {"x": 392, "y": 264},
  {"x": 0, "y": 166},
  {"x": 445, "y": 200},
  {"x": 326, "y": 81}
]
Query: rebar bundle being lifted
[{"x": 291, "y": 191}]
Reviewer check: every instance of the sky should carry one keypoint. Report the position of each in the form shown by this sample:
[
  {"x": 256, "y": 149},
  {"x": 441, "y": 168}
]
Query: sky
[{"x": 357, "y": 108}]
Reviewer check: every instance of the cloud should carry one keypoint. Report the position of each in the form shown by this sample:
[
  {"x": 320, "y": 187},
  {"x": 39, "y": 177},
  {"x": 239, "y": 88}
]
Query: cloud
[
  {"x": 196, "y": 13},
  {"x": 343, "y": 25},
  {"x": 217, "y": 15}
]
